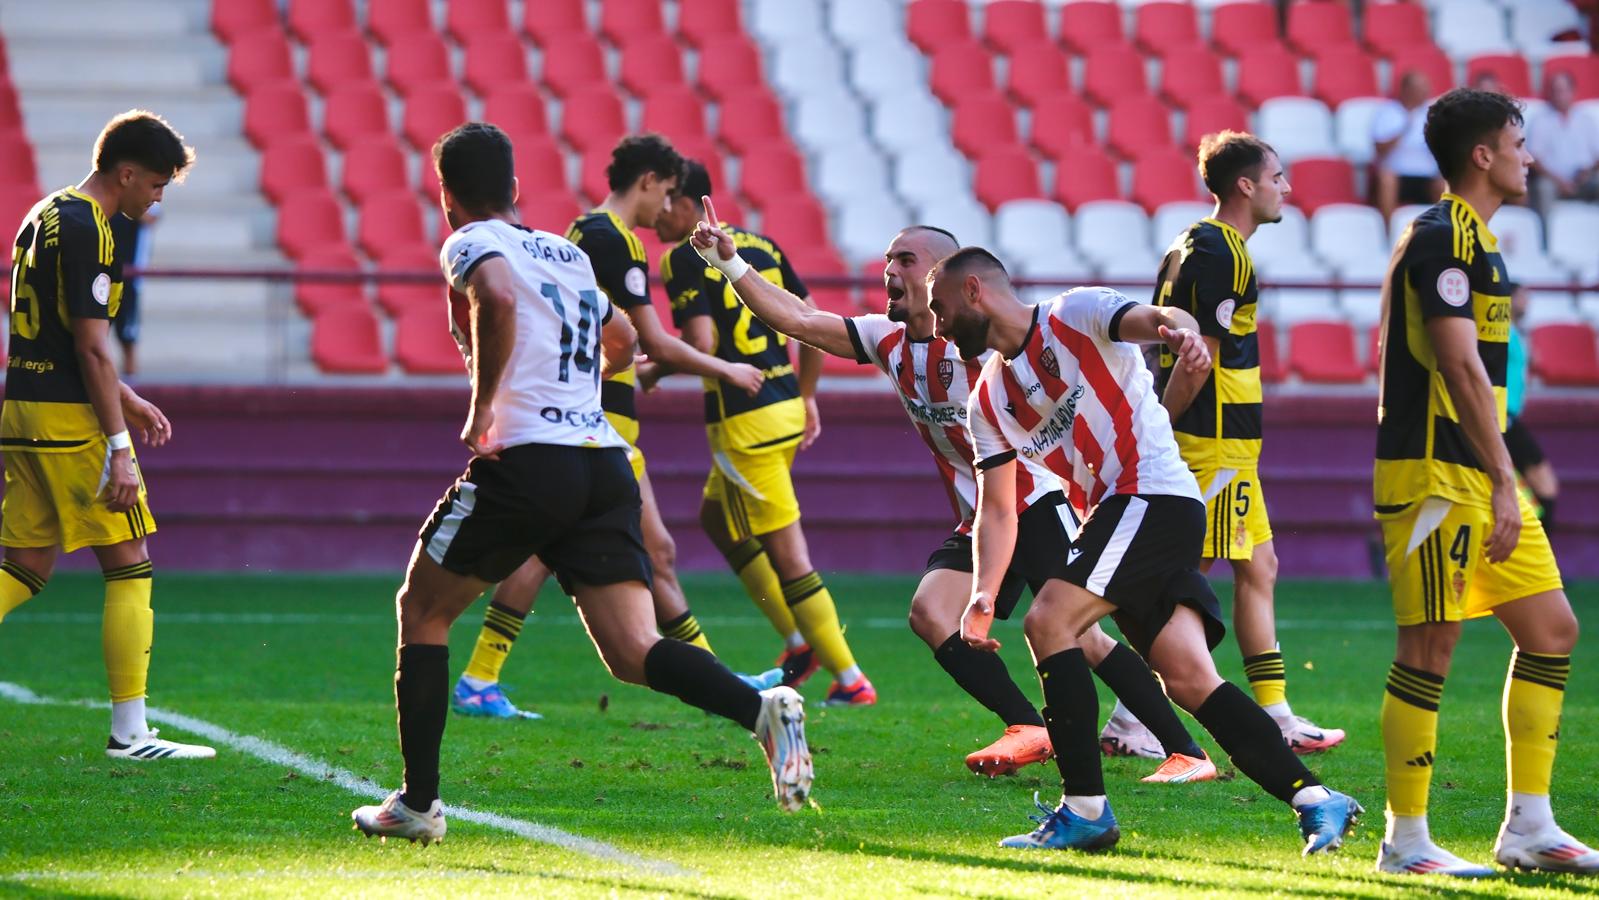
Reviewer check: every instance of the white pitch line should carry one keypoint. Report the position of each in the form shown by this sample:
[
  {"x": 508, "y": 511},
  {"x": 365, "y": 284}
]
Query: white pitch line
[{"x": 277, "y": 754}]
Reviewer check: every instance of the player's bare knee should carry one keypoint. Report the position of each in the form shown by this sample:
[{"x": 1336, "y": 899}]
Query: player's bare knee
[
  {"x": 931, "y": 620},
  {"x": 663, "y": 555},
  {"x": 624, "y": 655},
  {"x": 1429, "y": 646},
  {"x": 1096, "y": 644}
]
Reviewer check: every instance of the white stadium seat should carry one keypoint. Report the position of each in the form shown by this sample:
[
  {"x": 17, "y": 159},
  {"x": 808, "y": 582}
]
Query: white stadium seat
[
  {"x": 1031, "y": 230},
  {"x": 1548, "y": 307},
  {"x": 888, "y": 69},
  {"x": 824, "y": 119},
  {"x": 1574, "y": 238},
  {"x": 923, "y": 174},
  {"x": 863, "y": 229},
  {"x": 804, "y": 64},
  {"x": 910, "y": 122},
  {"x": 1297, "y": 127},
  {"x": 1173, "y": 219},
  {"x": 1588, "y": 307},
  {"x": 1281, "y": 250},
  {"x": 959, "y": 212},
  {"x": 1287, "y": 306},
  {"x": 1363, "y": 308},
  {"x": 1520, "y": 234},
  {"x": 1113, "y": 229},
  {"x": 1469, "y": 27},
  {"x": 1401, "y": 219},
  {"x": 847, "y": 169},
  {"x": 775, "y": 21},
  {"x": 1533, "y": 24},
  {"x": 1352, "y": 125},
  {"x": 1352, "y": 238},
  {"x": 862, "y": 23}
]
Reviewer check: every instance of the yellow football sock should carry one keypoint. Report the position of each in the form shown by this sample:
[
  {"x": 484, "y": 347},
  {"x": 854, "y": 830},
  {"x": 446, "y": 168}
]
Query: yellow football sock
[
  {"x": 1534, "y": 693},
  {"x": 1410, "y": 736},
  {"x": 817, "y": 618},
  {"x": 17, "y": 586},
  {"x": 754, "y": 568},
  {"x": 1268, "y": 679},
  {"x": 501, "y": 625},
  {"x": 127, "y": 630},
  {"x": 686, "y": 628}
]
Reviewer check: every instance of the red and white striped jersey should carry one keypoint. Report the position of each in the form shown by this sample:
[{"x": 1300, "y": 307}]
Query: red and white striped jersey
[
  {"x": 1080, "y": 402},
  {"x": 934, "y": 383}
]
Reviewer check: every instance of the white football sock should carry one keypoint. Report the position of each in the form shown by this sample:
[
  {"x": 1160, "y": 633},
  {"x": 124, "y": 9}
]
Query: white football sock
[
  {"x": 850, "y": 676},
  {"x": 1123, "y": 716},
  {"x": 1528, "y": 813},
  {"x": 127, "y": 721},
  {"x": 794, "y": 641},
  {"x": 1408, "y": 833},
  {"x": 1308, "y": 795},
  {"x": 1090, "y": 808},
  {"x": 1280, "y": 711},
  {"x": 476, "y": 684}
]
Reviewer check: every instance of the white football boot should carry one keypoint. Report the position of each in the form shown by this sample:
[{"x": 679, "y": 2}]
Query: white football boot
[
  {"x": 148, "y": 747},
  {"x": 392, "y": 818},
  {"x": 1548, "y": 849},
  {"x": 1429, "y": 859},
  {"x": 780, "y": 729}
]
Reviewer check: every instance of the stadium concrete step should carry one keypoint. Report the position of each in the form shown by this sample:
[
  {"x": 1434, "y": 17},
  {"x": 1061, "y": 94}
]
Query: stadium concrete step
[
  {"x": 240, "y": 346},
  {"x": 205, "y": 115},
  {"x": 97, "y": 61},
  {"x": 22, "y": 20}
]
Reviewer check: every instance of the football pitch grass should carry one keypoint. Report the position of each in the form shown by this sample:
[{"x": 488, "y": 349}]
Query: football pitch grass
[{"x": 679, "y": 802}]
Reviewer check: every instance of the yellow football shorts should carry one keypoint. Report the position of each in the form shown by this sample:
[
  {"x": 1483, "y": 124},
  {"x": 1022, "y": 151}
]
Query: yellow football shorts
[
  {"x": 755, "y": 490},
  {"x": 1235, "y": 508},
  {"x": 54, "y": 499},
  {"x": 1435, "y": 565},
  {"x": 628, "y": 429}
]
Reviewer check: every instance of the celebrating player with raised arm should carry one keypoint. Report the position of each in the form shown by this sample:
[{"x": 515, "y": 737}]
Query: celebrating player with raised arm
[
  {"x": 549, "y": 476},
  {"x": 932, "y": 384},
  {"x": 1064, "y": 390}
]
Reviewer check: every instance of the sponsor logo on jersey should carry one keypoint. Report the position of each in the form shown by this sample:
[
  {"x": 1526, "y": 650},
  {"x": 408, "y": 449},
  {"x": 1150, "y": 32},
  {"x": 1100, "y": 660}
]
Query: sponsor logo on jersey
[
  {"x": 575, "y": 418},
  {"x": 1054, "y": 429}
]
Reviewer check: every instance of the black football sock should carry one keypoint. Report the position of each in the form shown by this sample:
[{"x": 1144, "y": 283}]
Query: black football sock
[
  {"x": 1252, "y": 740},
  {"x": 984, "y": 676},
  {"x": 698, "y": 678},
  {"x": 1071, "y": 713},
  {"x": 1126, "y": 673},
  {"x": 422, "y": 696}
]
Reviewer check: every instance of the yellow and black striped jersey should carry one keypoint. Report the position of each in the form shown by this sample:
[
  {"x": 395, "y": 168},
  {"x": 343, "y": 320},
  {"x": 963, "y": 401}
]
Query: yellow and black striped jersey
[
  {"x": 775, "y": 417},
  {"x": 1207, "y": 273},
  {"x": 1447, "y": 263},
  {"x": 622, "y": 268},
  {"x": 64, "y": 266}
]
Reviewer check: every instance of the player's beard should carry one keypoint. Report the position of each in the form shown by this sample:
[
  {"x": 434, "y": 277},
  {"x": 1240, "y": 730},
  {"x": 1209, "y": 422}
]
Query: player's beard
[{"x": 970, "y": 333}]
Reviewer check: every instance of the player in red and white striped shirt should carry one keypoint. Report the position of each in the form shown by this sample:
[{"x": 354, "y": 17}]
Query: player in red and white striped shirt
[
  {"x": 933, "y": 385},
  {"x": 1062, "y": 389}
]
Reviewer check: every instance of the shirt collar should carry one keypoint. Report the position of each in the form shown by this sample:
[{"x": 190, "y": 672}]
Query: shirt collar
[{"x": 1489, "y": 241}]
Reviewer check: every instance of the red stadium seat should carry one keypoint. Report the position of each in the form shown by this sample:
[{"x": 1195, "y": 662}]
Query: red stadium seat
[
  {"x": 651, "y": 62},
  {"x": 1584, "y": 72},
  {"x": 468, "y": 20},
  {"x": 1191, "y": 74},
  {"x": 310, "y": 220},
  {"x": 274, "y": 111},
  {"x": 1324, "y": 353},
  {"x": 1271, "y": 362},
  {"x": 313, "y": 297},
  {"x": 550, "y": 210},
  {"x": 1344, "y": 73},
  {"x": 572, "y": 63},
  {"x": 1008, "y": 24},
  {"x": 1267, "y": 71},
  {"x": 232, "y": 18},
  {"x": 540, "y": 164},
  {"x": 494, "y": 59},
  {"x": 1391, "y": 27},
  {"x": 1374, "y": 349},
  {"x": 1319, "y": 182},
  {"x": 423, "y": 344},
  {"x": 981, "y": 121},
  {"x": 16, "y": 159},
  {"x": 418, "y": 61},
  {"x": 1090, "y": 24},
  {"x": 1237, "y": 27},
  {"x": 592, "y": 118},
  {"x": 388, "y": 220},
  {"x": 1425, "y": 58},
  {"x": 517, "y": 108},
  {"x": 336, "y": 58},
  {"x": 931, "y": 24},
  {"x": 347, "y": 341},
  {"x": 1164, "y": 25},
  {"x": 1060, "y": 122},
  {"x": 1113, "y": 71},
  {"x": 623, "y": 20},
  {"x": 354, "y": 111},
  {"x": 1083, "y": 174},
  {"x": 430, "y": 112},
  {"x": 1006, "y": 173},
  {"x": 770, "y": 169},
  {"x": 1564, "y": 354},
  {"x": 1510, "y": 68},
  {"x": 699, "y": 21},
  {"x": 961, "y": 68},
  {"x": 373, "y": 166},
  {"x": 592, "y": 182},
  {"x": 705, "y": 152},
  {"x": 1139, "y": 125},
  {"x": 1038, "y": 69},
  {"x": 675, "y": 111},
  {"x": 728, "y": 66},
  {"x": 795, "y": 218},
  {"x": 261, "y": 58},
  {"x": 557, "y": 21},
  {"x": 1167, "y": 176},
  {"x": 748, "y": 118},
  {"x": 309, "y": 18},
  {"x": 290, "y": 164},
  {"x": 1313, "y": 27},
  {"x": 10, "y": 108},
  {"x": 389, "y": 20}
]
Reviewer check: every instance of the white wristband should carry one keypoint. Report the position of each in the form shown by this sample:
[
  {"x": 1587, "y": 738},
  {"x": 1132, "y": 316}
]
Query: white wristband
[
  {"x": 733, "y": 268},
  {"x": 120, "y": 441}
]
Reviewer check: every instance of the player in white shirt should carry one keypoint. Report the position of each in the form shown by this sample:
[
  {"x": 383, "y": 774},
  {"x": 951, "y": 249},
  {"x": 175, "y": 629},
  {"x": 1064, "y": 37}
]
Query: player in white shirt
[
  {"x": 550, "y": 477},
  {"x": 1063, "y": 390}
]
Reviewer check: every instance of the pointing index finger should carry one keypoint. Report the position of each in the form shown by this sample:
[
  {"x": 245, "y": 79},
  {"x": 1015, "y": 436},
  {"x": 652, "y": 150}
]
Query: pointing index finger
[{"x": 710, "y": 211}]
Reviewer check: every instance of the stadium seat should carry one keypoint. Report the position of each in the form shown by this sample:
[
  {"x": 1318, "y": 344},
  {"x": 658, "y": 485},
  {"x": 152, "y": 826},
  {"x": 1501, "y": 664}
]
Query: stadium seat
[
  {"x": 290, "y": 164},
  {"x": 1468, "y": 27},
  {"x": 1211, "y": 115},
  {"x": 592, "y": 118},
  {"x": 925, "y": 172},
  {"x": 261, "y": 58},
  {"x": 418, "y": 61},
  {"x": 962, "y": 214},
  {"x": 1344, "y": 73},
  {"x": 1008, "y": 24},
  {"x": 1271, "y": 363},
  {"x": 1191, "y": 74},
  {"x": 1111, "y": 72},
  {"x": 1038, "y": 69},
  {"x": 1389, "y": 28},
  {"x": 1324, "y": 353},
  {"x": 1352, "y": 128},
  {"x": 859, "y": 23},
  {"x": 1173, "y": 219},
  {"x": 309, "y": 18},
  {"x": 423, "y": 344},
  {"x": 468, "y": 20},
  {"x": 1533, "y": 26},
  {"x": 10, "y": 106},
  {"x": 1266, "y": 72},
  {"x": 1089, "y": 24},
  {"x": 699, "y": 21},
  {"x": 1318, "y": 181},
  {"x": 709, "y": 155},
  {"x": 1164, "y": 176},
  {"x": 931, "y": 24},
  {"x": 1401, "y": 219},
  {"x": 430, "y": 112},
  {"x": 1162, "y": 26},
  {"x": 1572, "y": 226},
  {"x": 389, "y": 20},
  {"x": 276, "y": 111},
  {"x": 572, "y": 63},
  {"x": 1521, "y": 240},
  {"x": 1111, "y": 230},
  {"x": 373, "y": 165},
  {"x": 958, "y": 69},
  {"x": 1315, "y": 27},
  {"x": 651, "y": 62},
  {"x": 557, "y": 21},
  {"x": 347, "y": 341},
  {"x": 1059, "y": 123},
  {"x": 1510, "y": 68},
  {"x": 517, "y": 107},
  {"x": 389, "y": 219},
  {"x": 1363, "y": 308},
  {"x": 336, "y": 58},
  {"x": 353, "y": 111},
  {"x": 621, "y": 21},
  {"x": 728, "y": 66},
  {"x": 1353, "y": 238},
  {"x": 1584, "y": 72},
  {"x": 592, "y": 183},
  {"x": 16, "y": 158},
  {"x": 1084, "y": 174},
  {"x": 1005, "y": 174},
  {"x": 1283, "y": 249},
  {"x": 310, "y": 220},
  {"x": 313, "y": 297},
  {"x": 748, "y": 118},
  {"x": 1239, "y": 27},
  {"x": 232, "y": 18},
  {"x": 1139, "y": 125},
  {"x": 1031, "y": 228},
  {"x": 982, "y": 121},
  {"x": 796, "y": 217},
  {"x": 1296, "y": 127},
  {"x": 730, "y": 209},
  {"x": 888, "y": 74},
  {"x": 675, "y": 111},
  {"x": 494, "y": 59},
  {"x": 1564, "y": 354},
  {"x": 551, "y": 209},
  {"x": 1425, "y": 58},
  {"x": 770, "y": 169},
  {"x": 1374, "y": 349}
]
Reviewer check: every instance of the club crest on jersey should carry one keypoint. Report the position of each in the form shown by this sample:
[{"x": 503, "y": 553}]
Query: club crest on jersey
[
  {"x": 1049, "y": 362},
  {"x": 946, "y": 372}
]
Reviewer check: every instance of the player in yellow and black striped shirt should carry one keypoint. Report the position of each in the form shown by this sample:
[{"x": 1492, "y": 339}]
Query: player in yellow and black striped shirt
[
  {"x": 1208, "y": 273},
  {"x": 1460, "y": 539}
]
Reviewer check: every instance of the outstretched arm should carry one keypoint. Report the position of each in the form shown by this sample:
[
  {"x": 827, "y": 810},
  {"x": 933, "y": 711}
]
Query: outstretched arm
[{"x": 1145, "y": 324}]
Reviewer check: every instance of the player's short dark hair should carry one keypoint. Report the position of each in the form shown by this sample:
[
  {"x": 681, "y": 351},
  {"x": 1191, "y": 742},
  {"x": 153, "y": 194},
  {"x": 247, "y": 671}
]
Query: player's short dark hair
[
  {"x": 637, "y": 154},
  {"x": 694, "y": 181},
  {"x": 967, "y": 260},
  {"x": 141, "y": 137},
  {"x": 1225, "y": 156},
  {"x": 1460, "y": 120},
  {"x": 933, "y": 228},
  {"x": 476, "y": 164}
]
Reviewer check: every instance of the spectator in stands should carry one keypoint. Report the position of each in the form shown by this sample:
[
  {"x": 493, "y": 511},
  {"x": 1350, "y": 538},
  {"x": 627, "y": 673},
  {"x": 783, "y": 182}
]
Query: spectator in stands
[
  {"x": 136, "y": 237},
  {"x": 1525, "y": 454},
  {"x": 1565, "y": 149},
  {"x": 1405, "y": 169},
  {"x": 1487, "y": 81}
]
